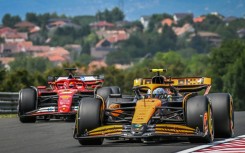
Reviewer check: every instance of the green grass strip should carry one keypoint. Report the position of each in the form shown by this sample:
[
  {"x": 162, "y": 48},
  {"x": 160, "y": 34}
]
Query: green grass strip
[{"x": 8, "y": 115}]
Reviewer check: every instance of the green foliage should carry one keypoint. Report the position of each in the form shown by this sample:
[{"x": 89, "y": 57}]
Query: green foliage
[
  {"x": 92, "y": 38},
  {"x": 56, "y": 71},
  {"x": 227, "y": 32},
  {"x": 197, "y": 65},
  {"x": 16, "y": 80},
  {"x": 110, "y": 79},
  {"x": 110, "y": 16},
  {"x": 32, "y": 17},
  {"x": 237, "y": 24},
  {"x": 31, "y": 64},
  {"x": 120, "y": 57},
  {"x": 171, "y": 61},
  {"x": 42, "y": 19},
  {"x": 9, "y": 20},
  {"x": 83, "y": 59},
  {"x": 199, "y": 44},
  {"x": 136, "y": 24},
  {"x": 83, "y": 20},
  {"x": 211, "y": 23},
  {"x": 155, "y": 21},
  {"x": 86, "y": 49},
  {"x": 233, "y": 81},
  {"x": 69, "y": 35},
  {"x": 227, "y": 70},
  {"x": 167, "y": 40},
  {"x": 187, "y": 19}
]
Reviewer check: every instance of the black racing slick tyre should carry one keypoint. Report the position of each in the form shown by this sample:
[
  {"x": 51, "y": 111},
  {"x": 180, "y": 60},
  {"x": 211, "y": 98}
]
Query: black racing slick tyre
[
  {"x": 223, "y": 113},
  {"x": 104, "y": 92},
  {"x": 89, "y": 117},
  {"x": 199, "y": 115},
  {"x": 115, "y": 90},
  {"x": 27, "y": 103}
]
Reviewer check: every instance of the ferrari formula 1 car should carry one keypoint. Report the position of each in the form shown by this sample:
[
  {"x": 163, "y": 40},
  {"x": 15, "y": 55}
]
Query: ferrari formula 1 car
[
  {"x": 61, "y": 99},
  {"x": 161, "y": 108}
]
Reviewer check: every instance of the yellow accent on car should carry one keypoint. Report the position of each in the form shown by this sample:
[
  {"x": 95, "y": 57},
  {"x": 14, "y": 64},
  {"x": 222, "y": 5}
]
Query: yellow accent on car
[
  {"x": 106, "y": 127},
  {"x": 106, "y": 130},
  {"x": 158, "y": 70}
]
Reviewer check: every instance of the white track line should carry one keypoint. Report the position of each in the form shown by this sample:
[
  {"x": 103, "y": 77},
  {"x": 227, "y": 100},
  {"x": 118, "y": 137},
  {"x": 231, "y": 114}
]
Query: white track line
[{"x": 210, "y": 145}]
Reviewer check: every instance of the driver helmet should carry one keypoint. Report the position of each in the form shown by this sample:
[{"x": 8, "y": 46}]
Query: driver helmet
[
  {"x": 157, "y": 92},
  {"x": 72, "y": 85}
]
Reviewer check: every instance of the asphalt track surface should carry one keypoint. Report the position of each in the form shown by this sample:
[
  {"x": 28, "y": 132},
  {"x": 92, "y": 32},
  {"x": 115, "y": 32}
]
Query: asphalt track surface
[{"x": 56, "y": 136}]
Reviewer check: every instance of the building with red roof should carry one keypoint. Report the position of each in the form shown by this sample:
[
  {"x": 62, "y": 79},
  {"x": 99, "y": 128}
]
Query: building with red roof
[{"x": 101, "y": 25}]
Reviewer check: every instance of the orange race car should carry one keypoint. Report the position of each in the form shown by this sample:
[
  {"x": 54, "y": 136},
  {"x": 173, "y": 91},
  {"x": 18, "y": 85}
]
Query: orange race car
[{"x": 161, "y": 107}]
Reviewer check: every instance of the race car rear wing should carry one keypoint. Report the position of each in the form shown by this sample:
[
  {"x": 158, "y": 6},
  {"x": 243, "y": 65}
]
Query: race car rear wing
[
  {"x": 83, "y": 77},
  {"x": 184, "y": 84}
]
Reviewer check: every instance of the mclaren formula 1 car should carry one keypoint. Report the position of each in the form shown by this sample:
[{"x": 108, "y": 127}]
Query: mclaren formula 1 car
[
  {"x": 162, "y": 107},
  {"x": 60, "y": 99}
]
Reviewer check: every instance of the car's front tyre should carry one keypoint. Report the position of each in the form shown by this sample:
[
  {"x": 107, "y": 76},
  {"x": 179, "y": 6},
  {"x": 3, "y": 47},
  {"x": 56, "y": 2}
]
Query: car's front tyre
[
  {"x": 27, "y": 103},
  {"x": 89, "y": 117}
]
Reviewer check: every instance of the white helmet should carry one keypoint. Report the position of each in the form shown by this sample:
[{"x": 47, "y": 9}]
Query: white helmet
[{"x": 158, "y": 91}]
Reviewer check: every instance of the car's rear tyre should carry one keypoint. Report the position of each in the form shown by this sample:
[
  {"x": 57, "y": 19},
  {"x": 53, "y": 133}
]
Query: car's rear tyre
[
  {"x": 199, "y": 115},
  {"x": 223, "y": 113},
  {"x": 89, "y": 117},
  {"x": 115, "y": 90},
  {"x": 104, "y": 92},
  {"x": 27, "y": 103}
]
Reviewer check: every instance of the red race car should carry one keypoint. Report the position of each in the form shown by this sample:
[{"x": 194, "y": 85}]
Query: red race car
[{"x": 60, "y": 100}]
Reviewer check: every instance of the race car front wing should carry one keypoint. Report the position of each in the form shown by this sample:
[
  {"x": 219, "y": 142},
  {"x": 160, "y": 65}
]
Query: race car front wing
[{"x": 140, "y": 131}]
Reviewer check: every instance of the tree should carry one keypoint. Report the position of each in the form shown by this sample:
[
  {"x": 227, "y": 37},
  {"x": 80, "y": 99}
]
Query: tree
[
  {"x": 187, "y": 19},
  {"x": 83, "y": 20},
  {"x": 138, "y": 25},
  {"x": 86, "y": 49},
  {"x": 197, "y": 65},
  {"x": 155, "y": 21},
  {"x": 117, "y": 14},
  {"x": 211, "y": 23},
  {"x": 17, "y": 80},
  {"x": 10, "y": 21},
  {"x": 226, "y": 69},
  {"x": 119, "y": 57},
  {"x": 83, "y": 59},
  {"x": 30, "y": 63},
  {"x": 199, "y": 44},
  {"x": 167, "y": 40},
  {"x": 172, "y": 61},
  {"x": 113, "y": 76},
  {"x": 233, "y": 81},
  {"x": 32, "y": 17},
  {"x": 110, "y": 16}
]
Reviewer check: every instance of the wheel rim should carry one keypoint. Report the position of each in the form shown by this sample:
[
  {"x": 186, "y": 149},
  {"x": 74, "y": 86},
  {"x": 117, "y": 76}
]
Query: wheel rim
[
  {"x": 210, "y": 123},
  {"x": 231, "y": 118}
]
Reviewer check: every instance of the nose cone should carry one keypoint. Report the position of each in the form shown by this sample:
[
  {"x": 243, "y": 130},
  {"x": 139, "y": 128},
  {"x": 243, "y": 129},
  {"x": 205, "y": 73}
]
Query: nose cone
[{"x": 64, "y": 102}]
